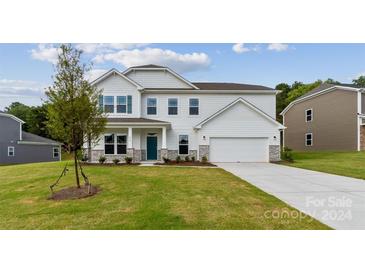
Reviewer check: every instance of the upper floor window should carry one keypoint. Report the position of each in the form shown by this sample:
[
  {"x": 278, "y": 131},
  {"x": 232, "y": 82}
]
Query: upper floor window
[
  {"x": 183, "y": 144},
  {"x": 151, "y": 106},
  {"x": 309, "y": 115},
  {"x": 11, "y": 151},
  {"x": 193, "y": 106},
  {"x": 172, "y": 106},
  {"x": 108, "y": 104},
  {"x": 56, "y": 152},
  {"x": 121, "y": 104},
  {"x": 308, "y": 139}
]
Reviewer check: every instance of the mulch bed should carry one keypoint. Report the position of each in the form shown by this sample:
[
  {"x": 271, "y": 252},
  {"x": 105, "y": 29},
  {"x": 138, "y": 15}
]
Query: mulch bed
[
  {"x": 72, "y": 193},
  {"x": 174, "y": 163},
  {"x": 110, "y": 164}
]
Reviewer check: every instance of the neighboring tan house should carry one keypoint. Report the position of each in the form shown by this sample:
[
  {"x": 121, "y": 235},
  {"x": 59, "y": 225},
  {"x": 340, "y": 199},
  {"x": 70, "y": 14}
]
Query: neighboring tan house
[
  {"x": 330, "y": 117},
  {"x": 152, "y": 112},
  {"x": 17, "y": 146}
]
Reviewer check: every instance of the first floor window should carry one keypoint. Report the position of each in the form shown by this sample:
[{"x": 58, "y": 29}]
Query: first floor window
[
  {"x": 193, "y": 106},
  {"x": 172, "y": 106},
  {"x": 151, "y": 106},
  {"x": 11, "y": 151},
  {"x": 183, "y": 144},
  {"x": 121, "y": 144},
  {"x": 56, "y": 152},
  {"x": 308, "y": 139},
  {"x": 108, "y": 104},
  {"x": 309, "y": 115},
  {"x": 109, "y": 144}
]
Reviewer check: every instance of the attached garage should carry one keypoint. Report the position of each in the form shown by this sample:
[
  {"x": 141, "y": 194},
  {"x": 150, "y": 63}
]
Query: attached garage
[{"x": 239, "y": 149}]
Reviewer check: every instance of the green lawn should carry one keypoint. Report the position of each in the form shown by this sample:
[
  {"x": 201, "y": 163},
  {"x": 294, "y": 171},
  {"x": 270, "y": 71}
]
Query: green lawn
[
  {"x": 135, "y": 197},
  {"x": 350, "y": 164}
]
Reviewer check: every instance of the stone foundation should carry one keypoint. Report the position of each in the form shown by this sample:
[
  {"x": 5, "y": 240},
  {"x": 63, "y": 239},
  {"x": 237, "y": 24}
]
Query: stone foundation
[
  {"x": 362, "y": 138},
  {"x": 172, "y": 154},
  {"x": 137, "y": 157},
  {"x": 203, "y": 151},
  {"x": 164, "y": 153},
  {"x": 274, "y": 153},
  {"x": 96, "y": 154},
  {"x": 193, "y": 153}
]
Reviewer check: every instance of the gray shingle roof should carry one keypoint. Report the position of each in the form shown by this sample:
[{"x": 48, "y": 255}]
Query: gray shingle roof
[
  {"x": 228, "y": 86},
  {"x": 30, "y": 137}
]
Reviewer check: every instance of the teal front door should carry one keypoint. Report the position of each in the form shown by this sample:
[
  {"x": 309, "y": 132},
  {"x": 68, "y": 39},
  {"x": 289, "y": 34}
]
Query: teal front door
[{"x": 151, "y": 147}]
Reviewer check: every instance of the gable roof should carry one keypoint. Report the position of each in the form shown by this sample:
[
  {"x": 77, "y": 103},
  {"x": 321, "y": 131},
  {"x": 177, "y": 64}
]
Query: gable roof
[
  {"x": 156, "y": 67},
  {"x": 12, "y": 117},
  {"x": 321, "y": 89},
  {"x": 115, "y": 71},
  {"x": 229, "y": 86},
  {"x": 248, "y": 104}
]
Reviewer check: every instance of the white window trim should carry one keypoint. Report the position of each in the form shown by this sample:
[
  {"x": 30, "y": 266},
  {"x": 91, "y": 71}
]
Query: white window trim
[
  {"x": 53, "y": 151},
  {"x": 305, "y": 139},
  {"x": 116, "y": 142},
  {"x": 115, "y": 104},
  {"x": 11, "y": 147},
  {"x": 178, "y": 144},
  {"x": 156, "y": 106},
  {"x": 306, "y": 116},
  {"x": 177, "y": 113},
  {"x": 194, "y": 115}
]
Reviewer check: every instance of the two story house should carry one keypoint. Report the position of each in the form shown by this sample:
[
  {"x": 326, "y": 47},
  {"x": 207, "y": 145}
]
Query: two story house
[
  {"x": 153, "y": 112},
  {"x": 18, "y": 146},
  {"x": 330, "y": 117}
]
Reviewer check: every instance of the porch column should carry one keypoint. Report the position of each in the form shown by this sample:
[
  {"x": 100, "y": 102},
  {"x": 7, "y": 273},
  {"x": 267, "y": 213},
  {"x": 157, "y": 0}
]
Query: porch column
[
  {"x": 164, "y": 153},
  {"x": 130, "y": 150}
]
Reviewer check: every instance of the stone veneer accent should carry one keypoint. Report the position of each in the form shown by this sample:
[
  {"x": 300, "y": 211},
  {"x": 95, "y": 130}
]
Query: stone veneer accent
[
  {"x": 137, "y": 155},
  {"x": 274, "y": 153},
  {"x": 172, "y": 154},
  {"x": 362, "y": 138},
  {"x": 95, "y": 155},
  {"x": 164, "y": 153},
  {"x": 203, "y": 151},
  {"x": 193, "y": 153},
  {"x": 130, "y": 153}
]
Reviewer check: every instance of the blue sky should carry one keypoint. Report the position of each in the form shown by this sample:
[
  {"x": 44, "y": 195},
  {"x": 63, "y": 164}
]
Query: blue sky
[{"x": 26, "y": 69}]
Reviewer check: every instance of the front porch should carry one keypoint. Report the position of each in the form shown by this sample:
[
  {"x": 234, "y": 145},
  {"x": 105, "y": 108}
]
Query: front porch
[{"x": 138, "y": 138}]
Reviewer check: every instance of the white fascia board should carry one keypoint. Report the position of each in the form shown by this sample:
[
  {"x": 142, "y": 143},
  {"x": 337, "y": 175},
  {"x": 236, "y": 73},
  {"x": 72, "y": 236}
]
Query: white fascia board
[
  {"x": 248, "y": 104},
  {"x": 108, "y": 73},
  {"x": 318, "y": 94},
  {"x": 207, "y": 91},
  {"x": 37, "y": 143},
  {"x": 13, "y": 117},
  {"x": 163, "y": 69}
]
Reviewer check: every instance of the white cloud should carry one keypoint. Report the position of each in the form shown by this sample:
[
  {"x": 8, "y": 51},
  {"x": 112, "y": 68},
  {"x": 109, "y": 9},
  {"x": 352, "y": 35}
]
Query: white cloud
[
  {"x": 107, "y": 47},
  {"x": 46, "y": 52},
  {"x": 180, "y": 62},
  {"x": 240, "y": 48},
  {"x": 94, "y": 73},
  {"x": 277, "y": 47}
]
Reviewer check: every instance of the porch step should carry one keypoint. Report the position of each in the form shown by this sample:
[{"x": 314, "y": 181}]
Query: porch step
[{"x": 147, "y": 163}]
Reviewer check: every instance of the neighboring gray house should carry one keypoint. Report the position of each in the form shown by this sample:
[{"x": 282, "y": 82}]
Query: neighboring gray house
[
  {"x": 329, "y": 117},
  {"x": 17, "y": 146}
]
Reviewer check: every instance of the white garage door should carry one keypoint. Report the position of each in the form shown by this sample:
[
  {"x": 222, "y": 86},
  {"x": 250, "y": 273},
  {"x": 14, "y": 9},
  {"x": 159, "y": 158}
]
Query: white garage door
[{"x": 239, "y": 150}]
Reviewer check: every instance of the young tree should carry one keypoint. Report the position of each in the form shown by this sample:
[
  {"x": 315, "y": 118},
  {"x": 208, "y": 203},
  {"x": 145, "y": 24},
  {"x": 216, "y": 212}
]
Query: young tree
[
  {"x": 360, "y": 82},
  {"x": 74, "y": 116}
]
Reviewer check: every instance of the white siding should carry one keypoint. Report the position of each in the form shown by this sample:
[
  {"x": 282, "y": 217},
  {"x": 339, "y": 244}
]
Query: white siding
[
  {"x": 115, "y": 85},
  {"x": 156, "y": 79}
]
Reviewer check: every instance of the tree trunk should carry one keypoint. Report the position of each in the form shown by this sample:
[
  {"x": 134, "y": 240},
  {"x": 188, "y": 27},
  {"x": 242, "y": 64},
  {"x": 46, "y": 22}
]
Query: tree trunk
[{"x": 76, "y": 169}]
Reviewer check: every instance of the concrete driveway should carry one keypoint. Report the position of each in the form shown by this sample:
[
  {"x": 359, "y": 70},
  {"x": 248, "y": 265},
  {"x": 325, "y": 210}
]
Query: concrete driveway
[{"x": 337, "y": 201}]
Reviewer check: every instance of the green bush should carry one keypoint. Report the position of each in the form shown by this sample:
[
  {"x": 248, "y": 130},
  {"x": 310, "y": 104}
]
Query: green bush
[
  {"x": 204, "y": 159},
  {"x": 287, "y": 154},
  {"x": 116, "y": 161},
  {"x": 102, "y": 159},
  {"x": 178, "y": 159},
  {"x": 166, "y": 160},
  {"x": 128, "y": 160},
  {"x": 187, "y": 158},
  {"x": 193, "y": 159}
]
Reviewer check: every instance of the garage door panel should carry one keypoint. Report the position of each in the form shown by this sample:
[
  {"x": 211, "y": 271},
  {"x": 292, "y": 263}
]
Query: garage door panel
[{"x": 239, "y": 150}]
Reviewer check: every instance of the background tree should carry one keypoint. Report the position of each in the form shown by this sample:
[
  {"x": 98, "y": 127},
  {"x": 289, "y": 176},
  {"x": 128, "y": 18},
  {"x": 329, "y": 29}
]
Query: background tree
[
  {"x": 359, "y": 82},
  {"x": 281, "y": 99},
  {"x": 21, "y": 111},
  {"x": 74, "y": 116}
]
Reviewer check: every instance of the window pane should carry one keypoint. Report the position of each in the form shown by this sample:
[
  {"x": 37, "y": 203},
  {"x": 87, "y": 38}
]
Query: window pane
[
  {"x": 183, "y": 139},
  {"x": 193, "y": 111},
  {"x": 121, "y": 139},
  {"x": 172, "y": 110},
  {"x": 121, "y": 109},
  {"x": 109, "y": 149},
  {"x": 121, "y": 100},
  {"x": 183, "y": 149},
  {"x": 108, "y": 100},
  {"x": 172, "y": 102},
  {"x": 109, "y": 139},
  {"x": 194, "y": 102},
  {"x": 151, "y": 110},
  {"x": 121, "y": 149},
  {"x": 151, "y": 102}
]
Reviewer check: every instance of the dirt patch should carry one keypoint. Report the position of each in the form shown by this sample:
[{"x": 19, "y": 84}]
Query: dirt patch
[
  {"x": 174, "y": 163},
  {"x": 72, "y": 193}
]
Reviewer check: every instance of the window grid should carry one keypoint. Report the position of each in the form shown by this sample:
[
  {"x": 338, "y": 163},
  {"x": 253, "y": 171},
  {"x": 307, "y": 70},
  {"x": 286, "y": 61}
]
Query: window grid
[
  {"x": 151, "y": 106},
  {"x": 308, "y": 139},
  {"x": 193, "y": 106},
  {"x": 183, "y": 144},
  {"x": 172, "y": 106}
]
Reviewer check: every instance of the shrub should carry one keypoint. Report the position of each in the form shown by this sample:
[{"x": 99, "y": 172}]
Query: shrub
[
  {"x": 116, "y": 161},
  {"x": 204, "y": 159},
  {"x": 187, "y": 158},
  {"x": 178, "y": 159},
  {"x": 84, "y": 158},
  {"x": 128, "y": 160},
  {"x": 102, "y": 159},
  {"x": 287, "y": 154},
  {"x": 193, "y": 159},
  {"x": 166, "y": 160}
]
